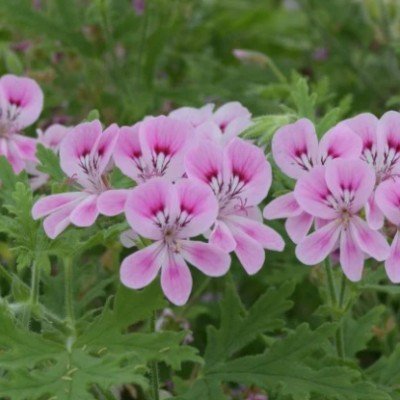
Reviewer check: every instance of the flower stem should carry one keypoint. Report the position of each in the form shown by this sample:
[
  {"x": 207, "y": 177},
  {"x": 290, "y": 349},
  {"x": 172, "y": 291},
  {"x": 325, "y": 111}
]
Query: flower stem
[
  {"x": 69, "y": 291},
  {"x": 34, "y": 294},
  {"x": 336, "y": 303},
  {"x": 154, "y": 379}
]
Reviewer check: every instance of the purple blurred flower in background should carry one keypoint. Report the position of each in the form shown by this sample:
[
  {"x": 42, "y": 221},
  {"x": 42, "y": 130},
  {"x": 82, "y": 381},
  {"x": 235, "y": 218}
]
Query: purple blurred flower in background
[{"x": 139, "y": 6}]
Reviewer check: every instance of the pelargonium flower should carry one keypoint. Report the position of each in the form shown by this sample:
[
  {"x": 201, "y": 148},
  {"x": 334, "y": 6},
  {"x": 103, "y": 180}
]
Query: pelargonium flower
[
  {"x": 240, "y": 177},
  {"x": 222, "y": 125},
  {"x": 50, "y": 138},
  {"x": 85, "y": 154},
  {"x": 296, "y": 151},
  {"x": 336, "y": 193},
  {"x": 388, "y": 200},
  {"x": 21, "y": 102},
  {"x": 381, "y": 149},
  {"x": 152, "y": 148},
  {"x": 170, "y": 214}
]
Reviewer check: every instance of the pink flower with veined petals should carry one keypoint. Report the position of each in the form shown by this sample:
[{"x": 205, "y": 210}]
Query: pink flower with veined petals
[
  {"x": 381, "y": 149},
  {"x": 296, "y": 151},
  {"x": 220, "y": 126},
  {"x": 336, "y": 193},
  {"x": 170, "y": 214},
  {"x": 21, "y": 102},
  {"x": 388, "y": 199},
  {"x": 152, "y": 148},
  {"x": 240, "y": 177},
  {"x": 85, "y": 154}
]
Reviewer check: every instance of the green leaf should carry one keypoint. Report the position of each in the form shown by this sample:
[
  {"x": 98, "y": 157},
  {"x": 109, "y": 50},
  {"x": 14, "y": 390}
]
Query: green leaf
[{"x": 49, "y": 163}]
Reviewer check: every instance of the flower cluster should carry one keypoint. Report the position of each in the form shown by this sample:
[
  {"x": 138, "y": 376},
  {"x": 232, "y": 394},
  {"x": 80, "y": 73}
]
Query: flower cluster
[{"x": 196, "y": 187}]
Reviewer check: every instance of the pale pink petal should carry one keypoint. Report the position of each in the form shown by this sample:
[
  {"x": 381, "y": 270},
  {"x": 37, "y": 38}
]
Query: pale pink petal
[
  {"x": 128, "y": 238},
  {"x": 295, "y": 148},
  {"x": 176, "y": 280},
  {"x": 222, "y": 237},
  {"x": 351, "y": 182},
  {"x": 235, "y": 127},
  {"x": 312, "y": 192},
  {"x": 140, "y": 268},
  {"x": 339, "y": 142},
  {"x": 54, "y": 202},
  {"x": 26, "y": 147},
  {"x": 21, "y": 100},
  {"x": 78, "y": 144},
  {"x": 371, "y": 242},
  {"x": 198, "y": 208},
  {"x": 249, "y": 252},
  {"x": 298, "y": 227},
  {"x": 86, "y": 212},
  {"x": 373, "y": 214},
  {"x": 351, "y": 256},
  {"x": 246, "y": 163},
  {"x": 208, "y": 258},
  {"x": 58, "y": 221},
  {"x": 53, "y": 136},
  {"x": 209, "y": 130},
  {"x": 148, "y": 204},
  {"x": 229, "y": 112},
  {"x": 388, "y": 139},
  {"x": 195, "y": 116},
  {"x": 264, "y": 235},
  {"x": 392, "y": 264},
  {"x": 317, "y": 246},
  {"x": 13, "y": 155},
  {"x": 112, "y": 202},
  {"x": 104, "y": 147},
  {"x": 387, "y": 197},
  {"x": 282, "y": 207}
]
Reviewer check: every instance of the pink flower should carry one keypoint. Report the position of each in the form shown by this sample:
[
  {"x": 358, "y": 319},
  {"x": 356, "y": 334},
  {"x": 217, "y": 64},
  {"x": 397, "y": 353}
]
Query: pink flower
[
  {"x": 240, "y": 177},
  {"x": 296, "y": 151},
  {"x": 21, "y": 102},
  {"x": 149, "y": 149},
  {"x": 336, "y": 193},
  {"x": 170, "y": 214},
  {"x": 219, "y": 126},
  {"x": 381, "y": 149},
  {"x": 85, "y": 154},
  {"x": 388, "y": 199}
]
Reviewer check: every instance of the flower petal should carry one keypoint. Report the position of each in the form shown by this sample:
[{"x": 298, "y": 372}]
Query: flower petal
[
  {"x": 392, "y": 264},
  {"x": 176, "y": 280},
  {"x": 128, "y": 238},
  {"x": 195, "y": 116},
  {"x": 387, "y": 197},
  {"x": 104, "y": 147},
  {"x": 58, "y": 221},
  {"x": 229, "y": 112},
  {"x": 373, "y": 214},
  {"x": 317, "y": 246},
  {"x": 54, "y": 202},
  {"x": 371, "y": 242},
  {"x": 222, "y": 237},
  {"x": 86, "y": 212},
  {"x": 208, "y": 258},
  {"x": 351, "y": 256},
  {"x": 284, "y": 206},
  {"x": 26, "y": 147},
  {"x": 112, "y": 202},
  {"x": 295, "y": 148},
  {"x": 140, "y": 268},
  {"x": 298, "y": 227}
]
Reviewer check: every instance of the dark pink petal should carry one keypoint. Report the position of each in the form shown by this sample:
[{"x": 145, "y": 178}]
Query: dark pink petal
[
  {"x": 21, "y": 100},
  {"x": 140, "y": 268},
  {"x": 112, "y": 202},
  {"x": 148, "y": 205},
  {"x": 312, "y": 194},
  {"x": 208, "y": 258},
  {"x": 86, "y": 212},
  {"x": 222, "y": 237},
  {"x": 295, "y": 148},
  {"x": 58, "y": 221},
  {"x": 176, "y": 280},
  {"x": 317, "y": 246},
  {"x": 339, "y": 142},
  {"x": 351, "y": 182},
  {"x": 284, "y": 206},
  {"x": 370, "y": 241},
  {"x": 249, "y": 252},
  {"x": 298, "y": 227},
  {"x": 351, "y": 256},
  {"x": 373, "y": 213},
  {"x": 54, "y": 202},
  {"x": 392, "y": 264},
  {"x": 246, "y": 163},
  {"x": 197, "y": 208},
  {"x": 387, "y": 197},
  {"x": 388, "y": 140}
]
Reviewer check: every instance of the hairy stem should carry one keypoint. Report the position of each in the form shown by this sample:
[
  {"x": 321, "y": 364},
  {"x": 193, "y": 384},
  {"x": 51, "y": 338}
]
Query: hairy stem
[
  {"x": 69, "y": 293},
  {"x": 34, "y": 294},
  {"x": 154, "y": 379}
]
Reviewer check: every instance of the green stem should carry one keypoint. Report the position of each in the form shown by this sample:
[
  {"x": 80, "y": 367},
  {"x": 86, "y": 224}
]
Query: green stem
[
  {"x": 276, "y": 71},
  {"x": 339, "y": 340},
  {"x": 34, "y": 294},
  {"x": 69, "y": 292},
  {"x": 154, "y": 366}
]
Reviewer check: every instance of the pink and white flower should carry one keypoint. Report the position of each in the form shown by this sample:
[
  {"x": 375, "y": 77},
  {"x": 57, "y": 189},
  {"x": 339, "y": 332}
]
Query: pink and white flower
[
  {"x": 170, "y": 214},
  {"x": 296, "y": 151},
  {"x": 240, "y": 177},
  {"x": 21, "y": 102},
  {"x": 336, "y": 193},
  {"x": 152, "y": 148},
  {"x": 85, "y": 154}
]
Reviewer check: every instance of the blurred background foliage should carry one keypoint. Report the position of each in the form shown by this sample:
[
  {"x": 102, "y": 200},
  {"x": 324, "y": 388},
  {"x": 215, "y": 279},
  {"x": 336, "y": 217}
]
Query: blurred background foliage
[{"x": 129, "y": 58}]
